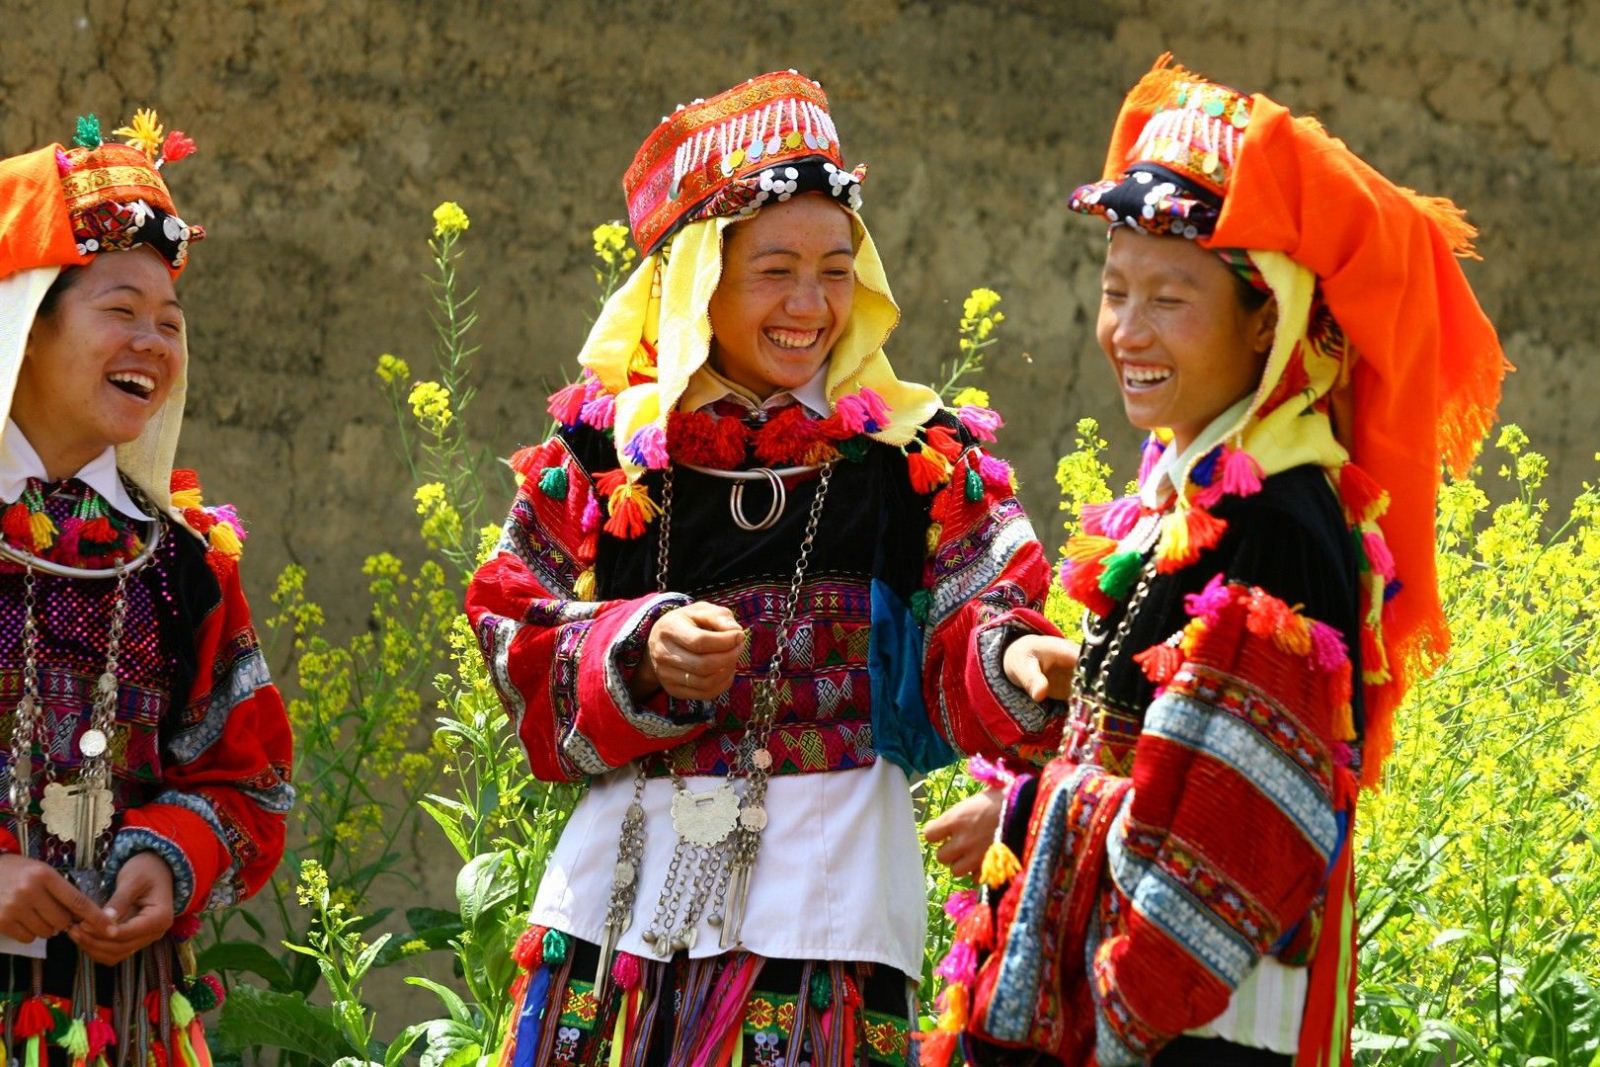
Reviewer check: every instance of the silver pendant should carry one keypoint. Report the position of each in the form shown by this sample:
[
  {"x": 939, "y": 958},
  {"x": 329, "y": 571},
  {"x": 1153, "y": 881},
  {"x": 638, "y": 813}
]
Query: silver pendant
[
  {"x": 705, "y": 819},
  {"x": 66, "y": 808}
]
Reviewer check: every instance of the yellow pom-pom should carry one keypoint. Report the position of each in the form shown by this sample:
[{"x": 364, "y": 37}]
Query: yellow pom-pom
[
  {"x": 935, "y": 531},
  {"x": 224, "y": 540},
  {"x": 955, "y": 1009},
  {"x": 44, "y": 531},
  {"x": 183, "y": 499},
  {"x": 583, "y": 588},
  {"x": 1000, "y": 865}
]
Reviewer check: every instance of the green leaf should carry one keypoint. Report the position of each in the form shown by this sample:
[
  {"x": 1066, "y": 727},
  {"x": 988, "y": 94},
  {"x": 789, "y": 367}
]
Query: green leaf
[
  {"x": 450, "y": 825},
  {"x": 487, "y": 881},
  {"x": 245, "y": 956},
  {"x": 429, "y": 918},
  {"x": 396, "y": 1053},
  {"x": 462, "y": 1056},
  {"x": 459, "y": 1012},
  {"x": 254, "y": 1017}
]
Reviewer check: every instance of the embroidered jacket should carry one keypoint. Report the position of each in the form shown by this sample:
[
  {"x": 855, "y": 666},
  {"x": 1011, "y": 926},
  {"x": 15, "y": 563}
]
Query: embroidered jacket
[
  {"x": 896, "y": 652},
  {"x": 1192, "y": 829},
  {"x": 201, "y": 743}
]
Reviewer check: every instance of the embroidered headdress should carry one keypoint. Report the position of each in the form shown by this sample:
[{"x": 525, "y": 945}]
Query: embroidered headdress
[
  {"x": 1382, "y": 368},
  {"x": 62, "y": 206},
  {"x": 707, "y": 166}
]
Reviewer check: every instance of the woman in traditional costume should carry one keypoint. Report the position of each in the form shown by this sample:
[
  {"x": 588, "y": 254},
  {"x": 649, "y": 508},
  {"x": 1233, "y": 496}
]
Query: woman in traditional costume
[
  {"x": 751, "y": 583},
  {"x": 1295, "y": 331},
  {"x": 146, "y": 753}
]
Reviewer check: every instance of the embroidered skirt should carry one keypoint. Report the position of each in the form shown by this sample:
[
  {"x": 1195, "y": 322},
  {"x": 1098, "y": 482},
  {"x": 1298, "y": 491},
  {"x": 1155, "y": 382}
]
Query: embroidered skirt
[{"x": 733, "y": 1010}]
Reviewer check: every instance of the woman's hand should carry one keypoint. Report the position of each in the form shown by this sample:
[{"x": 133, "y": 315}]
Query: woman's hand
[
  {"x": 966, "y": 831},
  {"x": 692, "y": 653},
  {"x": 37, "y": 902},
  {"x": 1041, "y": 666},
  {"x": 138, "y": 913}
]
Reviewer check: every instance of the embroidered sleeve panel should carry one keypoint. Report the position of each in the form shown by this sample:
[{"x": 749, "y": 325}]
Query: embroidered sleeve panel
[
  {"x": 561, "y": 662},
  {"x": 1235, "y": 817},
  {"x": 985, "y": 581},
  {"x": 227, "y": 772}
]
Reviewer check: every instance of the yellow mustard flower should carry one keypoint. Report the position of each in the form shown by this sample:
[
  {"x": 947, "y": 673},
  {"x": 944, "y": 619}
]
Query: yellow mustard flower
[
  {"x": 430, "y": 403},
  {"x": 392, "y": 369},
  {"x": 449, "y": 220},
  {"x": 971, "y": 396}
]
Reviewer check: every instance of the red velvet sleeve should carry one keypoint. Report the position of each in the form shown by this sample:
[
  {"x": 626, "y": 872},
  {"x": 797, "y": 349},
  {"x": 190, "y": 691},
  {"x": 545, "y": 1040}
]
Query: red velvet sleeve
[{"x": 560, "y": 660}]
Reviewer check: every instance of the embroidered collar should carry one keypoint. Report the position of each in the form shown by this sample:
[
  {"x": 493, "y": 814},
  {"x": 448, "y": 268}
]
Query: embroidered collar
[
  {"x": 19, "y": 461},
  {"x": 707, "y": 387}
]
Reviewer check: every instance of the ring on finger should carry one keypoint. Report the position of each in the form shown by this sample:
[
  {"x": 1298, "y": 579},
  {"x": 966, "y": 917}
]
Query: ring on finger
[{"x": 688, "y": 679}]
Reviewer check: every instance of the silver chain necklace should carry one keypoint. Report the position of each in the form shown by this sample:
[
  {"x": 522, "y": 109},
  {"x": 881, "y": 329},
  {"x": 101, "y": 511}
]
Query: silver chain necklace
[{"x": 719, "y": 831}]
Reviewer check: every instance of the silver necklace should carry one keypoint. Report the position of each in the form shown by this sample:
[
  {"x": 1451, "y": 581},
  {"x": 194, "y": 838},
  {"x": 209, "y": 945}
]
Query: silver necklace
[{"x": 718, "y": 831}]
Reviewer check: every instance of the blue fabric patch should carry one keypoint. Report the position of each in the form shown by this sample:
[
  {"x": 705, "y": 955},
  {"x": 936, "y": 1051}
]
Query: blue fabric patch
[
  {"x": 901, "y": 731},
  {"x": 527, "y": 1024}
]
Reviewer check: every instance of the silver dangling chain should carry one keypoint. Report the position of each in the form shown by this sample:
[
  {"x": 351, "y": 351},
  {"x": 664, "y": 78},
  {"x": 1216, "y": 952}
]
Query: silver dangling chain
[{"x": 719, "y": 832}]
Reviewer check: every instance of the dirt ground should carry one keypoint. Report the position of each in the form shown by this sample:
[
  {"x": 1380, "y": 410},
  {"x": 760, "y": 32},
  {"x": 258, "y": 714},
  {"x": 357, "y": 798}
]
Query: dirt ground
[{"x": 329, "y": 130}]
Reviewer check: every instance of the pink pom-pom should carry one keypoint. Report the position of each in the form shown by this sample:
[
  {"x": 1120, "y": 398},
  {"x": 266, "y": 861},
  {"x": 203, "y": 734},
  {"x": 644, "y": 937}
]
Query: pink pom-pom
[
  {"x": 991, "y": 773},
  {"x": 599, "y": 412},
  {"x": 1147, "y": 460},
  {"x": 877, "y": 410},
  {"x": 566, "y": 404},
  {"x": 958, "y": 903},
  {"x": 100, "y": 1036},
  {"x": 626, "y": 971},
  {"x": 1241, "y": 474},
  {"x": 996, "y": 473},
  {"x": 63, "y": 164},
  {"x": 1210, "y": 601},
  {"x": 648, "y": 448},
  {"x": 1378, "y": 554},
  {"x": 1211, "y": 495},
  {"x": 184, "y": 927},
  {"x": 1114, "y": 519},
  {"x": 852, "y": 414},
  {"x": 1064, "y": 573},
  {"x": 1343, "y": 754},
  {"x": 980, "y": 422},
  {"x": 1327, "y": 647},
  {"x": 960, "y": 966},
  {"x": 227, "y": 513},
  {"x": 591, "y": 515}
]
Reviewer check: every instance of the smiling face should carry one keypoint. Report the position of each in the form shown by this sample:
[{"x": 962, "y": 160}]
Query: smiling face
[
  {"x": 1182, "y": 345},
  {"x": 788, "y": 283},
  {"x": 101, "y": 361}
]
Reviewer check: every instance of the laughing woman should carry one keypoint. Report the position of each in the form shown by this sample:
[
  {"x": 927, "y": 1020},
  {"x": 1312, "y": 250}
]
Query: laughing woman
[
  {"x": 146, "y": 753},
  {"x": 1296, "y": 334},
  {"x": 753, "y": 581}
]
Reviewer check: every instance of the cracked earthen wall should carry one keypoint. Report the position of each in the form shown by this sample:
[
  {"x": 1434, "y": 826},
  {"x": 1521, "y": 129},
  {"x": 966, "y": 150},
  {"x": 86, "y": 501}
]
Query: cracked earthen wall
[{"x": 329, "y": 129}]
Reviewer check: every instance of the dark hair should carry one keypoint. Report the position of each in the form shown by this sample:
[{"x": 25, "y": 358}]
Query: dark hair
[
  {"x": 52, "y": 296},
  {"x": 1250, "y": 297}
]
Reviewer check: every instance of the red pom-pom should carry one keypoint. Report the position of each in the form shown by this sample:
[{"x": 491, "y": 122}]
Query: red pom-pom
[
  {"x": 98, "y": 530},
  {"x": 184, "y": 479},
  {"x": 944, "y": 441},
  {"x": 17, "y": 524},
  {"x": 786, "y": 438},
  {"x": 1205, "y": 530},
  {"x": 566, "y": 404},
  {"x": 1081, "y": 582},
  {"x": 178, "y": 145},
  {"x": 100, "y": 1036},
  {"x": 927, "y": 473},
  {"x": 976, "y": 927},
  {"x": 525, "y": 460},
  {"x": 1364, "y": 499},
  {"x": 1160, "y": 663},
  {"x": 610, "y": 481},
  {"x": 935, "y": 1048},
  {"x": 528, "y": 952},
  {"x": 33, "y": 1018},
  {"x": 627, "y": 971},
  {"x": 1266, "y": 614}
]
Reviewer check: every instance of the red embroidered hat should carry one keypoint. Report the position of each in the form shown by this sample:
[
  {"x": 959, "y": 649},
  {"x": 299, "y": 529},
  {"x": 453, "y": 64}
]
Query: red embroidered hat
[{"x": 771, "y": 137}]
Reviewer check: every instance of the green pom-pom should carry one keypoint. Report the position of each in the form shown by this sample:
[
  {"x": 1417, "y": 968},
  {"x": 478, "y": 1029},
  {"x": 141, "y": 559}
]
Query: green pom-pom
[
  {"x": 555, "y": 947},
  {"x": 821, "y": 990},
  {"x": 855, "y": 448},
  {"x": 202, "y": 997},
  {"x": 88, "y": 133},
  {"x": 75, "y": 1042},
  {"x": 553, "y": 482},
  {"x": 1122, "y": 570},
  {"x": 974, "y": 486},
  {"x": 921, "y": 605}
]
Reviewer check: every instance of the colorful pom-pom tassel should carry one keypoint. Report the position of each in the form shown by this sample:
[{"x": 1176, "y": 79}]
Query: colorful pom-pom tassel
[
  {"x": 877, "y": 410},
  {"x": 1204, "y": 472},
  {"x": 936, "y": 1048},
  {"x": 1266, "y": 614},
  {"x": 1379, "y": 558},
  {"x": 44, "y": 531},
  {"x": 1160, "y": 663},
  {"x": 852, "y": 414},
  {"x": 599, "y": 412},
  {"x": 553, "y": 482},
  {"x": 954, "y": 1018},
  {"x": 1173, "y": 551},
  {"x": 1364, "y": 499},
  {"x": 976, "y": 927},
  {"x": 632, "y": 511},
  {"x": 1374, "y": 660},
  {"x": 960, "y": 964},
  {"x": 74, "y": 1040},
  {"x": 1000, "y": 865},
  {"x": 981, "y": 422},
  {"x": 87, "y": 134},
  {"x": 528, "y": 952},
  {"x": 555, "y": 947},
  {"x": 821, "y": 991},
  {"x": 944, "y": 441},
  {"x": 100, "y": 1037},
  {"x": 17, "y": 525},
  {"x": 223, "y": 538},
  {"x": 974, "y": 485},
  {"x": 648, "y": 448},
  {"x": 1210, "y": 601},
  {"x": 583, "y": 587},
  {"x": 590, "y": 520},
  {"x": 98, "y": 530},
  {"x": 626, "y": 971},
  {"x": 1294, "y": 636},
  {"x": 959, "y": 902},
  {"x": 566, "y": 404},
  {"x": 996, "y": 473},
  {"x": 1241, "y": 474},
  {"x": 921, "y": 605},
  {"x": 1205, "y": 529},
  {"x": 928, "y": 470},
  {"x": 1121, "y": 572},
  {"x": 1114, "y": 518},
  {"x": 1327, "y": 648},
  {"x": 524, "y": 460}
]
